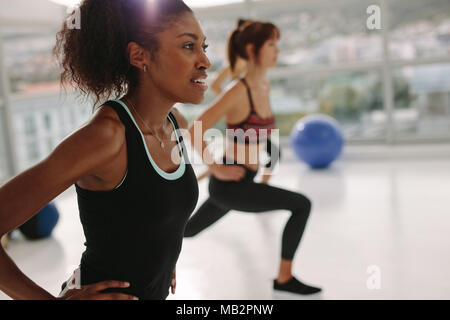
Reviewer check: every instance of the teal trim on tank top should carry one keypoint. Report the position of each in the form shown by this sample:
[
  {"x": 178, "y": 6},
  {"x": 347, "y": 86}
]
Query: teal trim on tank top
[
  {"x": 123, "y": 180},
  {"x": 168, "y": 176}
]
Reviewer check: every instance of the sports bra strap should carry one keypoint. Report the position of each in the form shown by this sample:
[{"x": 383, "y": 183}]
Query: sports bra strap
[{"x": 252, "y": 107}]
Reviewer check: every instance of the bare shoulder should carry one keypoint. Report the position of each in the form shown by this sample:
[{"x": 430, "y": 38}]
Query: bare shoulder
[
  {"x": 97, "y": 143},
  {"x": 227, "y": 101},
  {"x": 85, "y": 152},
  {"x": 106, "y": 115},
  {"x": 235, "y": 90},
  {"x": 106, "y": 124},
  {"x": 181, "y": 120},
  {"x": 235, "y": 85}
]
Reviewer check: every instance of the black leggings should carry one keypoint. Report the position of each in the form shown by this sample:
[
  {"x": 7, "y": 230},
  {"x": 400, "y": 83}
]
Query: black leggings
[
  {"x": 246, "y": 195},
  {"x": 274, "y": 154}
]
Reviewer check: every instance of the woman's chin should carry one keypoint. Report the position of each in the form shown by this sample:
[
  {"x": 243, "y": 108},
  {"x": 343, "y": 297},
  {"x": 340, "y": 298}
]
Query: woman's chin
[
  {"x": 271, "y": 65},
  {"x": 195, "y": 100}
]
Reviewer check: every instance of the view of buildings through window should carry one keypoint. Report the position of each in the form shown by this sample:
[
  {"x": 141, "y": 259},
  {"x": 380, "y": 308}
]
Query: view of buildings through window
[{"x": 329, "y": 63}]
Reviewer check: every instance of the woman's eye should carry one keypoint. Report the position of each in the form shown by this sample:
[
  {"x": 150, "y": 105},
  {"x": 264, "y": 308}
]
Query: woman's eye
[{"x": 191, "y": 46}]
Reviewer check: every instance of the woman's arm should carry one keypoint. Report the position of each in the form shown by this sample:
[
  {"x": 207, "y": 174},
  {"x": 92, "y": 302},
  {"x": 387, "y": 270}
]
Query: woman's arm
[
  {"x": 82, "y": 153},
  {"x": 204, "y": 175},
  {"x": 222, "y": 106},
  {"x": 183, "y": 123},
  {"x": 224, "y": 74},
  {"x": 4, "y": 241},
  {"x": 274, "y": 154}
]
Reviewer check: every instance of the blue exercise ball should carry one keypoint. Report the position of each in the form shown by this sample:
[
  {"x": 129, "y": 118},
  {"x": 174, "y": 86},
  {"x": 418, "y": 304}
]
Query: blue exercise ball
[
  {"x": 41, "y": 225},
  {"x": 317, "y": 140}
]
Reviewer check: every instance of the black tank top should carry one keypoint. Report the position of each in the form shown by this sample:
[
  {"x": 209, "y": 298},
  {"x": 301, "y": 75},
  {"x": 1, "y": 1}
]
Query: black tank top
[{"x": 134, "y": 232}]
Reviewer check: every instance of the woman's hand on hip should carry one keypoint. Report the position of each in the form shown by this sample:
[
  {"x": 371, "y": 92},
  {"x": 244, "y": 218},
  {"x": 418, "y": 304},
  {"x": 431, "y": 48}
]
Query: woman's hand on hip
[
  {"x": 173, "y": 284},
  {"x": 227, "y": 172},
  {"x": 93, "y": 292}
]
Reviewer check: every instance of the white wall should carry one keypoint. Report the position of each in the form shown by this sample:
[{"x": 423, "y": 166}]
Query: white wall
[{"x": 31, "y": 13}]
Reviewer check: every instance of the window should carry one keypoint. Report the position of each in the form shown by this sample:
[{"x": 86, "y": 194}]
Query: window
[
  {"x": 30, "y": 125},
  {"x": 422, "y": 101},
  {"x": 322, "y": 32},
  {"x": 49, "y": 144},
  {"x": 419, "y": 29},
  {"x": 32, "y": 152},
  {"x": 331, "y": 63},
  {"x": 47, "y": 122},
  {"x": 3, "y": 164},
  {"x": 354, "y": 99}
]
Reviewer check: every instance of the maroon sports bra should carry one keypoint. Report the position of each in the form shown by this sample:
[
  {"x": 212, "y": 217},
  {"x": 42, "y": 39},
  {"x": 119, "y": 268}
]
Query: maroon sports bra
[{"x": 254, "y": 129}]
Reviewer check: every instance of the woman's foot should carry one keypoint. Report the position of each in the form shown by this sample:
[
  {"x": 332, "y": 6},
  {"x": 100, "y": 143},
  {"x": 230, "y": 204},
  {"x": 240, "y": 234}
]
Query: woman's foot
[{"x": 295, "y": 286}]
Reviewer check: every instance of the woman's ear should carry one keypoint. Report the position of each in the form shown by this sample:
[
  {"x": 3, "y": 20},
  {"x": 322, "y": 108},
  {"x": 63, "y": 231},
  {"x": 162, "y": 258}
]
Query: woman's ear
[
  {"x": 250, "y": 50},
  {"x": 138, "y": 56}
]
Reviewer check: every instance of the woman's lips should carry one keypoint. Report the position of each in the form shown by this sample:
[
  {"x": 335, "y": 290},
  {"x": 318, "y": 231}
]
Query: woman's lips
[{"x": 200, "y": 84}]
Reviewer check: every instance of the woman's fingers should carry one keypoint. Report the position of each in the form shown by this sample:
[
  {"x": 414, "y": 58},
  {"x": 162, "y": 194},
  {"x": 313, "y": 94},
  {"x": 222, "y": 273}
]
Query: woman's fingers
[
  {"x": 100, "y": 286},
  {"x": 229, "y": 172},
  {"x": 238, "y": 172},
  {"x": 174, "y": 281},
  {"x": 115, "y": 296},
  {"x": 93, "y": 292},
  {"x": 174, "y": 286}
]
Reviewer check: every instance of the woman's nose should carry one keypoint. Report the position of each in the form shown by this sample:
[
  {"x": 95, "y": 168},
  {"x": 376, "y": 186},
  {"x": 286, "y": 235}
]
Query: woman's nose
[{"x": 203, "y": 62}]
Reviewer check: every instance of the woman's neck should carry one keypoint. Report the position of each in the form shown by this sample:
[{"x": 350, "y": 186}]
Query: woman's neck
[
  {"x": 151, "y": 106},
  {"x": 256, "y": 75}
]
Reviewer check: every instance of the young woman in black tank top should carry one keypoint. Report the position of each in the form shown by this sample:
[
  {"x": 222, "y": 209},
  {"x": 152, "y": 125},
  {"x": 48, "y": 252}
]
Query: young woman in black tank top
[
  {"x": 134, "y": 195},
  {"x": 234, "y": 189}
]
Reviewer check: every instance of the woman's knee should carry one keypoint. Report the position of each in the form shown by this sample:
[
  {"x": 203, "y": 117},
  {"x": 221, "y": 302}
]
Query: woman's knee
[
  {"x": 189, "y": 232},
  {"x": 303, "y": 205}
]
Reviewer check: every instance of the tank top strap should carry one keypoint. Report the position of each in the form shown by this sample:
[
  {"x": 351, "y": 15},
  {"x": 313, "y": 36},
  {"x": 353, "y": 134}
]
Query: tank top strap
[
  {"x": 180, "y": 140},
  {"x": 121, "y": 112},
  {"x": 177, "y": 128},
  {"x": 135, "y": 155},
  {"x": 252, "y": 106}
]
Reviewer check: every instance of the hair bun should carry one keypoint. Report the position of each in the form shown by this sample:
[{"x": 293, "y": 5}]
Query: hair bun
[{"x": 241, "y": 22}]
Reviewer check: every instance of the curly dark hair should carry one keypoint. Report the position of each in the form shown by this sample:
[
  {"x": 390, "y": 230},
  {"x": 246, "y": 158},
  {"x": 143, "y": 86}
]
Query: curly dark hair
[{"x": 93, "y": 57}]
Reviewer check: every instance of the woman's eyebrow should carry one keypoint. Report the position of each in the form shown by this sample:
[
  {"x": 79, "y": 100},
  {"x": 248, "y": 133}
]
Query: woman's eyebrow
[{"x": 192, "y": 35}]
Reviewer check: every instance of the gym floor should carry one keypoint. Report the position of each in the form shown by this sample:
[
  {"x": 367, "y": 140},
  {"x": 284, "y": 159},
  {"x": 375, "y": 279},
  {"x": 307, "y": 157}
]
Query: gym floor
[{"x": 379, "y": 229}]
